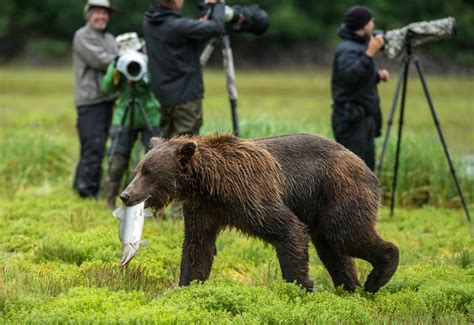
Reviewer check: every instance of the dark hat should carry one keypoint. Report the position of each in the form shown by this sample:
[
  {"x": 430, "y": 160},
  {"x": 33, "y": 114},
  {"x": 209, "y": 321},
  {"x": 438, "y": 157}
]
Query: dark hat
[{"x": 357, "y": 17}]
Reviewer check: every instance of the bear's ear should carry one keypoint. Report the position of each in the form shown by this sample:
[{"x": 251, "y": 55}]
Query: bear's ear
[
  {"x": 155, "y": 142},
  {"x": 186, "y": 152}
]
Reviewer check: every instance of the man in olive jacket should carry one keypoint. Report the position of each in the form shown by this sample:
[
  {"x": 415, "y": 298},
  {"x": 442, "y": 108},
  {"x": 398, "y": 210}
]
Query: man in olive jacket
[
  {"x": 93, "y": 50},
  {"x": 174, "y": 45},
  {"x": 356, "y": 117}
]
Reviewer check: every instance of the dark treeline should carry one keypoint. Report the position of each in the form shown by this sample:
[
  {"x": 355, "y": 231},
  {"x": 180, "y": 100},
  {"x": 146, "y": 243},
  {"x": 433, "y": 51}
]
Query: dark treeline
[{"x": 46, "y": 27}]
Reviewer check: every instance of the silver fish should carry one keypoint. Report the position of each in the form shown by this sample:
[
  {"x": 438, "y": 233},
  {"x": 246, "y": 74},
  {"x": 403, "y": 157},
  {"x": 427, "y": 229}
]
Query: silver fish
[{"x": 130, "y": 230}]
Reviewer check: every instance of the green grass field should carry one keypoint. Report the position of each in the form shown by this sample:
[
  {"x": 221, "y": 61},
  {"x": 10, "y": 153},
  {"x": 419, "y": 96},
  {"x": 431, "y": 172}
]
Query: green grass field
[{"x": 59, "y": 254}]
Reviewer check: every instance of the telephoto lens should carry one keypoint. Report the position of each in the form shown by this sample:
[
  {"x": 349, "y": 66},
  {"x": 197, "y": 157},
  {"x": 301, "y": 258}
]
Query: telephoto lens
[
  {"x": 417, "y": 34},
  {"x": 133, "y": 65}
]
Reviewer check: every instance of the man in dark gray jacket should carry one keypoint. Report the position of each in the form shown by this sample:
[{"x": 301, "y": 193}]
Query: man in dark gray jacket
[
  {"x": 356, "y": 117},
  {"x": 174, "y": 45},
  {"x": 93, "y": 50}
]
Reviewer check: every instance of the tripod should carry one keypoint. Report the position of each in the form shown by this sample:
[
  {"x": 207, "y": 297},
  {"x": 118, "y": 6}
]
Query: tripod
[
  {"x": 229, "y": 70},
  {"x": 402, "y": 83},
  {"x": 132, "y": 104}
]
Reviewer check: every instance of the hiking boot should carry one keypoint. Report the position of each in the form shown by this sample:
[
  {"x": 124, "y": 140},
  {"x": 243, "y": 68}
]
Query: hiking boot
[{"x": 117, "y": 168}]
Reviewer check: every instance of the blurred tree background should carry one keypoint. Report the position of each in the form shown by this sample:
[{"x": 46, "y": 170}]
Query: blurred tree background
[{"x": 39, "y": 29}]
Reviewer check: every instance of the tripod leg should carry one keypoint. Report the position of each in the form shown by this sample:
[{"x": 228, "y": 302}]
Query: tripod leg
[
  {"x": 115, "y": 143},
  {"x": 136, "y": 159},
  {"x": 207, "y": 52},
  {"x": 403, "y": 71},
  {"x": 399, "y": 140},
  {"x": 145, "y": 117},
  {"x": 139, "y": 146},
  {"x": 122, "y": 124},
  {"x": 230, "y": 75},
  {"x": 441, "y": 137}
]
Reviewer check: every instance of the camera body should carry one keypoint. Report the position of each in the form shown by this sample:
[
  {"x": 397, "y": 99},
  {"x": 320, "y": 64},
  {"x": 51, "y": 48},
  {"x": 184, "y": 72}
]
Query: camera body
[
  {"x": 133, "y": 65},
  {"x": 246, "y": 19},
  {"x": 378, "y": 32},
  {"x": 241, "y": 19}
]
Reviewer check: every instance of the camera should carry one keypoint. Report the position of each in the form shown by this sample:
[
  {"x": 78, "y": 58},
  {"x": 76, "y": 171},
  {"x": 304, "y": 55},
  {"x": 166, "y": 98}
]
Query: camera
[
  {"x": 246, "y": 19},
  {"x": 242, "y": 19},
  {"x": 133, "y": 65},
  {"x": 132, "y": 62},
  {"x": 378, "y": 32},
  {"x": 416, "y": 34}
]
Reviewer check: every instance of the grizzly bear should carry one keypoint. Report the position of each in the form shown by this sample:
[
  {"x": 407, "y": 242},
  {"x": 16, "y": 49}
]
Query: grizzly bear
[{"x": 283, "y": 189}]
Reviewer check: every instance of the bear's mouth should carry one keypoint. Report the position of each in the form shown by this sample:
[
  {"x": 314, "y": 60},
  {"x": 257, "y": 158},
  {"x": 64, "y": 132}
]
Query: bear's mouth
[
  {"x": 130, "y": 203},
  {"x": 155, "y": 203}
]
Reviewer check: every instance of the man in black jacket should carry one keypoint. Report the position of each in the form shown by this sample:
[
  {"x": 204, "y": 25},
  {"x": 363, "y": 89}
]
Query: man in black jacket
[
  {"x": 174, "y": 45},
  {"x": 356, "y": 117}
]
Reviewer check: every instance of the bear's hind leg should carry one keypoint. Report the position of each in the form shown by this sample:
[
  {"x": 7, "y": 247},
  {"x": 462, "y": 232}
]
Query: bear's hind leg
[
  {"x": 341, "y": 267},
  {"x": 383, "y": 256}
]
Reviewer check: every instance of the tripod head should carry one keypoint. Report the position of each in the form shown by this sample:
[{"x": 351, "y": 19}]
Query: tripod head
[{"x": 408, "y": 41}]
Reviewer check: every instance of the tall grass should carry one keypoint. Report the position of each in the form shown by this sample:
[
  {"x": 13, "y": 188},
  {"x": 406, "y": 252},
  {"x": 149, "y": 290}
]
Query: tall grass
[
  {"x": 35, "y": 157},
  {"x": 38, "y": 140},
  {"x": 32, "y": 157},
  {"x": 424, "y": 176}
]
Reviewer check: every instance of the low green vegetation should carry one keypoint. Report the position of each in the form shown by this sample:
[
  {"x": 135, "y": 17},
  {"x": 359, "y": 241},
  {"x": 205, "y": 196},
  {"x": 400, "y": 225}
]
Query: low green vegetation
[
  {"x": 59, "y": 262},
  {"x": 59, "y": 254}
]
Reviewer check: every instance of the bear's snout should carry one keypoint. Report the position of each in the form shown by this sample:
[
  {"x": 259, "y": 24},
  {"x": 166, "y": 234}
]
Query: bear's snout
[{"x": 124, "y": 197}]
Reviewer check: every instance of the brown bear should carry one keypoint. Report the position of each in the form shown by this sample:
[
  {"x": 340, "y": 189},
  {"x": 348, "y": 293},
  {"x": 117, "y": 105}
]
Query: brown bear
[{"x": 283, "y": 189}]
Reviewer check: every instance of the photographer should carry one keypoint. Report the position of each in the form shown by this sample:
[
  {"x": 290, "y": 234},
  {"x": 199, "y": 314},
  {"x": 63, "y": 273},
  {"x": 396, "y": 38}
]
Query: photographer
[
  {"x": 356, "y": 117},
  {"x": 174, "y": 45},
  {"x": 132, "y": 94},
  {"x": 93, "y": 50}
]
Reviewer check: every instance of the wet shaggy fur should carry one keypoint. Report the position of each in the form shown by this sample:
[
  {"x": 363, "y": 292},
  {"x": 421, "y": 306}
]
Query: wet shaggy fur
[{"x": 286, "y": 190}]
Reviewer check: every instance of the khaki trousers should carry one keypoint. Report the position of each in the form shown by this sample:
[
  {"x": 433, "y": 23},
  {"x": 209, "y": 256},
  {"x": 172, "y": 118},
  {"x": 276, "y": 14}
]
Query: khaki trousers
[{"x": 181, "y": 119}]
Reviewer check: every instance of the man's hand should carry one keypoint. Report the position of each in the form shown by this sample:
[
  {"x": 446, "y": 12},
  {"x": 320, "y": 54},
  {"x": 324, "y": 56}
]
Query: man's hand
[
  {"x": 206, "y": 2},
  {"x": 384, "y": 74},
  {"x": 375, "y": 44}
]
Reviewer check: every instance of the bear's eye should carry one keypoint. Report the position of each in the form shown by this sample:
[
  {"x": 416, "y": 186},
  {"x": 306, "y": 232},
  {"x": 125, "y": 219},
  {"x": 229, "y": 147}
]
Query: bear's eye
[{"x": 145, "y": 171}]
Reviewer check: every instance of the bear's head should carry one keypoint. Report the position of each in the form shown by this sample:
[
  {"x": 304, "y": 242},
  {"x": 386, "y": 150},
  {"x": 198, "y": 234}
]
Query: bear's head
[{"x": 162, "y": 174}]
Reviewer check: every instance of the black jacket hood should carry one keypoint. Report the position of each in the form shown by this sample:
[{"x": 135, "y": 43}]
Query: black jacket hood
[
  {"x": 346, "y": 34},
  {"x": 157, "y": 15}
]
